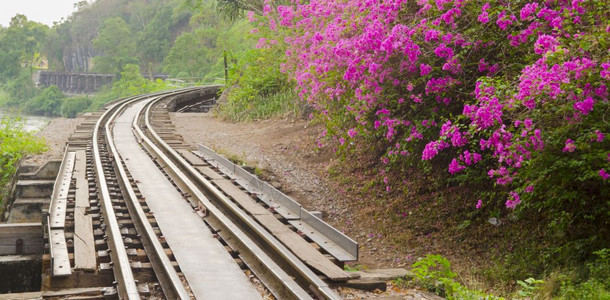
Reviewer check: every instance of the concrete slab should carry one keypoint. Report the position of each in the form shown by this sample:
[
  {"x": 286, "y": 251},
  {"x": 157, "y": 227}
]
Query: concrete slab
[
  {"x": 205, "y": 263},
  {"x": 19, "y": 273},
  {"x": 34, "y": 188},
  {"x": 24, "y": 238},
  {"x": 27, "y": 210}
]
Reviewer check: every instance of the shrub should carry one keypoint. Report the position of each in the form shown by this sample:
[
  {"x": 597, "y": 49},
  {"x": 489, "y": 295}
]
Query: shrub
[
  {"x": 433, "y": 272},
  {"x": 74, "y": 105},
  {"x": 20, "y": 90},
  {"x": 515, "y": 92},
  {"x": 259, "y": 88},
  {"x": 15, "y": 143},
  {"x": 48, "y": 102}
]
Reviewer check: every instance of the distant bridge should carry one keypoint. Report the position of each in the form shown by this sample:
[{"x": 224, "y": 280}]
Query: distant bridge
[
  {"x": 73, "y": 83},
  {"x": 78, "y": 83}
]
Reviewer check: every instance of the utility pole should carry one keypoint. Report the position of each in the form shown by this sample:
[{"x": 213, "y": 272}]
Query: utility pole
[{"x": 226, "y": 67}]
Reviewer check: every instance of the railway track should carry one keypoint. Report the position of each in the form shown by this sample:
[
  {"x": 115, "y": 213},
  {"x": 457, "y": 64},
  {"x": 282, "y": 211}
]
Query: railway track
[{"x": 170, "y": 221}]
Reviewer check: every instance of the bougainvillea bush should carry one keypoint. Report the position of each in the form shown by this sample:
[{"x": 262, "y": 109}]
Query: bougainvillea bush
[{"x": 513, "y": 91}]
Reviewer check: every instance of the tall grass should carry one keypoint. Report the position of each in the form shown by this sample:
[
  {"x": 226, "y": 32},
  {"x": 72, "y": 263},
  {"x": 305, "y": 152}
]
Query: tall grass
[{"x": 260, "y": 107}]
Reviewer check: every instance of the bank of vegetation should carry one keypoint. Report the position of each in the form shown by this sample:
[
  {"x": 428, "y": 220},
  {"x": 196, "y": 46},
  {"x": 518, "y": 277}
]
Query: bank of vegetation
[
  {"x": 15, "y": 144},
  {"x": 480, "y": 127}
]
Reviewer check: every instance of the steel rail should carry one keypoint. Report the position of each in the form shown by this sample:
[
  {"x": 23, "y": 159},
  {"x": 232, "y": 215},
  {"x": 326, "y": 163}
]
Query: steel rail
[
  {"x": 164, "y": 270},
  {"x": 196, "y": 185},
  {"x": 275, "y": 278},
  {"x": 126, "y": 285}
]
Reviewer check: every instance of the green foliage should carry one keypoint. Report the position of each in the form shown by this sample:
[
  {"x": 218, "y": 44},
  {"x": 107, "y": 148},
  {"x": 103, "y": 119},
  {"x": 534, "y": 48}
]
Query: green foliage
[
  {"x": 72, "y": 106},
  {"x": 529, "y": 287},
  {"x": 259, "y": 89},
  {"x": 19, "y": 91},
  {"x": 154, "y": 41},
  {"x": 597, "y": 283},
  {"x": 9, "y": 64},
  {"x": 117, "y": 45},
  {"x": 15, "y": 143},
  {"x": 259, "y": 107},
  {"x": 231, "y": 9},
  {"x": 132, "y": 83},
  {"x": 48, "y": 102},
  {"x": 19, "y": 43},
  {"x": 432, "y": 267},
  {"x": 354, "y": 268},
  {"x": 433, "y": 272},
  {"x": 192, "y": 53}
]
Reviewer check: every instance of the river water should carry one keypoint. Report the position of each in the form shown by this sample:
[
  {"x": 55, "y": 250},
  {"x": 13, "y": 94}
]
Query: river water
[{"x": 32, "y": 123}]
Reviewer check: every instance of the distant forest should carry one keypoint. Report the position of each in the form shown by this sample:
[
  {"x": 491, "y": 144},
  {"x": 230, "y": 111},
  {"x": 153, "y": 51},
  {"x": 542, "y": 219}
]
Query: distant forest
[
  {"x": 184, "y": 40},
  {"x": 161, "y": 36}
]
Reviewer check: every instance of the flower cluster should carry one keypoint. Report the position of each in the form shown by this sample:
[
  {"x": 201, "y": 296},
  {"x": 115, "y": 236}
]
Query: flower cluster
[{"x": 483, "y": 82}]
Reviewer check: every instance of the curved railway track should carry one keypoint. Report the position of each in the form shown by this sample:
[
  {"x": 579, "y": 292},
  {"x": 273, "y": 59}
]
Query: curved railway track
[{"x": 134, "y": 215}]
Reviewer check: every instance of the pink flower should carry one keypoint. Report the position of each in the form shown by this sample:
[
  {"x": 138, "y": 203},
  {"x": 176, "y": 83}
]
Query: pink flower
[
  {"x": 272, "y": 25},
  {"x": 586, "y": 106},
  {"x": 528, "y": 10},
  {"x": 482, "y": 65},
  {"x": 513, "y": 200},
  {"x": 431, "y": 35},
  {"x": 484, "y": 17},
  {"x": 504, "y": 21},
  {"x": 251, "y": 17},
  {"x": 443, "y": 51},
  {"x": 603, "y": 174},
  {"x": 569, "y": 147},
  {"x": 545, "y": 43},
  {"x": 455, "y": 167},
  {"x": 352, "y": 132},
  {"x": 479, "y": 204},
  {"x": 262, "y": 43},
  {"x": 600, "y": 136},
  {"x": 431, "y": 149},
  {"x": 424, "y": 69},
  {"x": 529, "y": 189},
  {"x": 605, "y": 73}
]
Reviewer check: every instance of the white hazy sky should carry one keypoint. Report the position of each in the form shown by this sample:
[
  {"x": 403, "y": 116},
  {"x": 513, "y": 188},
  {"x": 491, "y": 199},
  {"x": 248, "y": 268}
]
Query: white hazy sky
[{"x": 43, "y": 11}]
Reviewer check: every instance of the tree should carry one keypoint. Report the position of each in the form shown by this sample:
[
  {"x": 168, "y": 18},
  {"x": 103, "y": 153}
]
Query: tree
[
  {"x": 232, "y": 9},
  {"x": 48, "y": 102},
  {"x": 20, "y": 43},
  {"x": 72, "y": 106},
  {"x": 154, "y": 41},
  {"x": 117, "y": 45},
  {"x": 193, "y": 52},
  {"x": 20, "y": 90}
]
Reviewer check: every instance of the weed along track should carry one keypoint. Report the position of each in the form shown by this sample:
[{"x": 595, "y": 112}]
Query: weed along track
[{"x": 138, "y": 214}]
